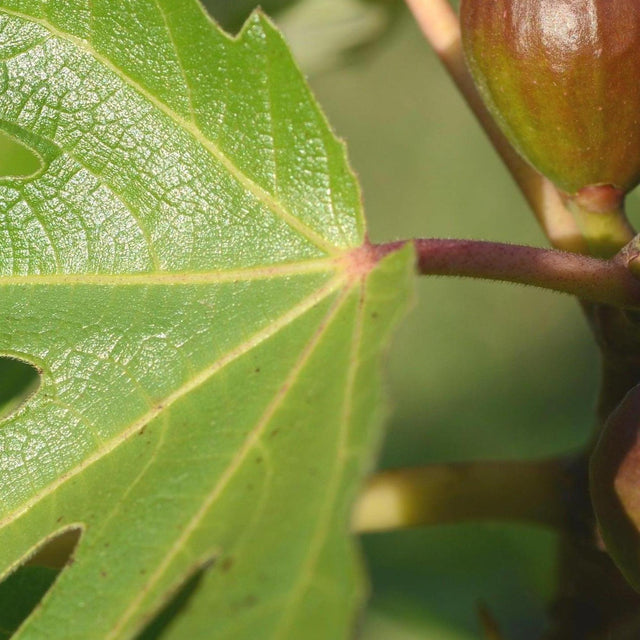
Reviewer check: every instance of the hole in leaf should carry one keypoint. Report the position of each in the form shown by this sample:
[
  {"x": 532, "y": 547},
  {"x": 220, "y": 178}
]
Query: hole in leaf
[
  {"x": 22, "y": 590},
  {"x": 178, "y": 602},
  {"x": 17, "y": 160},
  {"x": 19, "y": 380},
  {"x": 56, "y": 552}
]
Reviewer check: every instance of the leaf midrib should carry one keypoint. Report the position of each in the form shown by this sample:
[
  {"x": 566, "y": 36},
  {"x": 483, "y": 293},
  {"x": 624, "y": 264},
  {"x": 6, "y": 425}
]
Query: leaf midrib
[
  {"x": 190, "y": 127},
  {"x": 266, "y": 272}
]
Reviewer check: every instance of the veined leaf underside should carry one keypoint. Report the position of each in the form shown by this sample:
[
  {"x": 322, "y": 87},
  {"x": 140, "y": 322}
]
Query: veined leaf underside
[{"x": 188, "y": 270}]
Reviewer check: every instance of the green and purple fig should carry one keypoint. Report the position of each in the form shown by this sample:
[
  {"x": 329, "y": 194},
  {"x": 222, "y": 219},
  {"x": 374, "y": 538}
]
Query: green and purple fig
[
  {"x": 562, "y": 79},
  {"x": 615, "y": 486}
]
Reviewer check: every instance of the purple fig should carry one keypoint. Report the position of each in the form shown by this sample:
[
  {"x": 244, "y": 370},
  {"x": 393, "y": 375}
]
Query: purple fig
[
  {"x": 562, "y": 79},
  {"x": 615, "y": 486}
]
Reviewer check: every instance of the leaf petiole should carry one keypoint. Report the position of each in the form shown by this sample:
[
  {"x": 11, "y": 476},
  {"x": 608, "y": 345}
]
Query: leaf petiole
[{"x": 593, "y": 279}]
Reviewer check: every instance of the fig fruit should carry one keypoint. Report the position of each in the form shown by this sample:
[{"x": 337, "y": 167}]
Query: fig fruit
[
  {"x": 562, "y": 79},
  {"x": 615, "y": 486}
]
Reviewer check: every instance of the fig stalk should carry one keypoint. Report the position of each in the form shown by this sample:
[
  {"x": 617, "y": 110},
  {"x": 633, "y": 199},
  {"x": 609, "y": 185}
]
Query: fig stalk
[{"x": 599, "y": 213}]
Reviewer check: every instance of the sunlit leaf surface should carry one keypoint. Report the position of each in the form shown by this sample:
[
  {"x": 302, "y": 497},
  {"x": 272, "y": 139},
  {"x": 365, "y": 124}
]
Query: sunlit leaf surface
[{"x": 187, "y": 269}]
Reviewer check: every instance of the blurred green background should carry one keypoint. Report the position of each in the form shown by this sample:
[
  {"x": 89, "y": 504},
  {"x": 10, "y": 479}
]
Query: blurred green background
[{"x": 478, "y": 370}]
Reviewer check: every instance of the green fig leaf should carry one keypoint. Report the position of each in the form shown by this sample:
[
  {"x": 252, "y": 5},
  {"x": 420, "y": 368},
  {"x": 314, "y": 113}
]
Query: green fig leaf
[{"x": 188, "y": 272}]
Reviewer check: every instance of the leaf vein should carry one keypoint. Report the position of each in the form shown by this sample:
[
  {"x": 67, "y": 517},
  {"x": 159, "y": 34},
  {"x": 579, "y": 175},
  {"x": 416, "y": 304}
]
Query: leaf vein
[
  {"x": 324, "y": 514},
  {"x": 172, "y": 278}
]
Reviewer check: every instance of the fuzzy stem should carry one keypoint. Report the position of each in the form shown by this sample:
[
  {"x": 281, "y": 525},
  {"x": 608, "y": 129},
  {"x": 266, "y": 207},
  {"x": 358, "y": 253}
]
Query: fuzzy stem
[
  {"x": 533, "y": 492},
  {"x": 593, "y": 279},
  {"x": 440, "y": 25}
]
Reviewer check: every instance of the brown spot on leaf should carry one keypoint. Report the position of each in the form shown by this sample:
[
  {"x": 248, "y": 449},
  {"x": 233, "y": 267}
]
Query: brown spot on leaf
[{"x": 226, "y": 564}]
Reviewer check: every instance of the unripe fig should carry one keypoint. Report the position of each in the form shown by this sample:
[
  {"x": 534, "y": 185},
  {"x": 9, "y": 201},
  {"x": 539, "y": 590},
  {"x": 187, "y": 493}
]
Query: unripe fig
[
  {"x": 562, "y": 79},
  {"x": 615, "y": 486}
]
